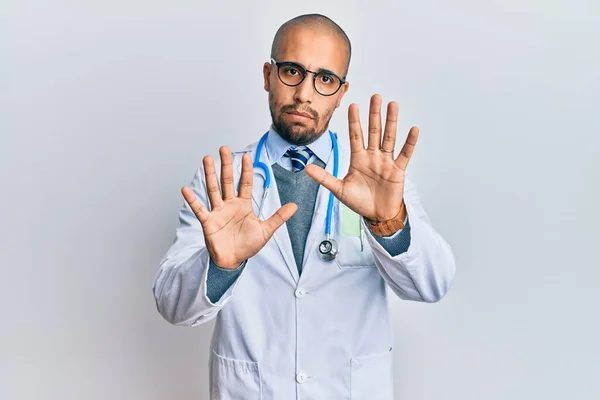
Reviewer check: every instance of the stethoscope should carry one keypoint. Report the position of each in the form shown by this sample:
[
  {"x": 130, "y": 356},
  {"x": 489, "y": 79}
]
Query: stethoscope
[{"x": 328, "y": 249}]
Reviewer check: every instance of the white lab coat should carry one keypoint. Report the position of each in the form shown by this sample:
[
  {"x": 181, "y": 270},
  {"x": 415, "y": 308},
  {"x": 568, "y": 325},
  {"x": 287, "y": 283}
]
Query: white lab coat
[{"x": 322, "y": 335}]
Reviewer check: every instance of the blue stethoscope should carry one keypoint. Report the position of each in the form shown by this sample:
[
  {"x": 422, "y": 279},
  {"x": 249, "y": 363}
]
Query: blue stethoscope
[{"x": 328, "y": 248}]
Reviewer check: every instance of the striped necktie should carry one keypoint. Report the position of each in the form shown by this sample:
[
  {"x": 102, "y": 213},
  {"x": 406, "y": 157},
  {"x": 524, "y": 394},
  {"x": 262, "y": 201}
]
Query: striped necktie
[{"x": 299, "y": 157}]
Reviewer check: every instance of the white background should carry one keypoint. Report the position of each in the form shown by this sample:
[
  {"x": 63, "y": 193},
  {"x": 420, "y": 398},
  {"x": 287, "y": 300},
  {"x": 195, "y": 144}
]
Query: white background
[{"x": 107, "y": 108}]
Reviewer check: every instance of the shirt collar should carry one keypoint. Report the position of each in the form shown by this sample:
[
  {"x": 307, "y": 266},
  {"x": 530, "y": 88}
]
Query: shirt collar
[{"x": 277, "y": 146}]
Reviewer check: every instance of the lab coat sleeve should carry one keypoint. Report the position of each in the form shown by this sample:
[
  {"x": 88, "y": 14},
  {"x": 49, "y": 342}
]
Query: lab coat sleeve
[
  {"x": 180, "y": 285},
  {"x": 425, "y": 271}
]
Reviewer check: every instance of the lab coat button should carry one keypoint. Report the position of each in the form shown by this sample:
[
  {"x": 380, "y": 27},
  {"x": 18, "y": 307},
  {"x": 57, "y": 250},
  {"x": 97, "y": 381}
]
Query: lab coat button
[
  {"x": 299, "y": 293},
  {"x": 301, "y": 377}
]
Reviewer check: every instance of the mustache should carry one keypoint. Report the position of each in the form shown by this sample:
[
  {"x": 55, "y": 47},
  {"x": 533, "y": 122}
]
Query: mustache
[{"x": 294, "y": 108}]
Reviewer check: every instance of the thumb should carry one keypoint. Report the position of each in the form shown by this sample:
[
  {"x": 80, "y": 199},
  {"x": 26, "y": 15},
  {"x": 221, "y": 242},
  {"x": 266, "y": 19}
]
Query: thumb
[
  {"x": 331, "y": 183},
  {"x": 279, "y": 218}
]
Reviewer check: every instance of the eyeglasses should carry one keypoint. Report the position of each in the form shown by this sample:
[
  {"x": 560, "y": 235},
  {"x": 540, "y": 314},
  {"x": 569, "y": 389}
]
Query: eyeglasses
[{"x": 325, "y": 82}]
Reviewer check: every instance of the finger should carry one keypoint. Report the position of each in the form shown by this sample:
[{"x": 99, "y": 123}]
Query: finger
[
  {"x": 199, "y": 210},
  {"x": 375, "y": 123},
  {"x": 391, "y": 126},
  {"x": 245, "y": 185},
  {"x": 279, "y": 218},
  {"x": 212, "y": 186},
  {"x": 226, "y": 173},
  {"x": 357, "y": 142},
  {"x": 334, "y": 185},
  {"x": 408, "y": 148}
]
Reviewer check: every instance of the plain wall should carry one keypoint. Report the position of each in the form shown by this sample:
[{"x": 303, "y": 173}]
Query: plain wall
[{"x": 107, "y": 108}]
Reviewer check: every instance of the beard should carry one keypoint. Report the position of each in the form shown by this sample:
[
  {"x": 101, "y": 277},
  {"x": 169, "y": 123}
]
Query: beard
[{"x": 299, "y": 133}]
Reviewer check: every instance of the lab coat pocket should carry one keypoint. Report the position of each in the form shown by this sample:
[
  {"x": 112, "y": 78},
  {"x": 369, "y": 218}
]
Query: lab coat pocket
[
  {"x": 234, "y": 379},
  {"x": 371, "y": 377},
  {"x": 353, "y": 254}
]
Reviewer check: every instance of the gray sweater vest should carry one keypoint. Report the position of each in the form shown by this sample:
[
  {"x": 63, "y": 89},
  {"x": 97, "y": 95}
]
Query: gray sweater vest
[{"x": 301, "y": 189}]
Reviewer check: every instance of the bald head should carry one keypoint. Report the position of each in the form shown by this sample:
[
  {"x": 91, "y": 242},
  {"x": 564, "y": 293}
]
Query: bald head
[{"x": 314, "y": 22}]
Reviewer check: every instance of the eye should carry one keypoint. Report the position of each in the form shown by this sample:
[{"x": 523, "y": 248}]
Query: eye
[
  {"x": 326, "y": 79},
  {"x": 291, "y": 71}
]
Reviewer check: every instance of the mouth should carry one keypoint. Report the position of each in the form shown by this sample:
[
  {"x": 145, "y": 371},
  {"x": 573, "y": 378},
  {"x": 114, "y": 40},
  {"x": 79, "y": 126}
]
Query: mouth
[{"x": 300, "y": 114}]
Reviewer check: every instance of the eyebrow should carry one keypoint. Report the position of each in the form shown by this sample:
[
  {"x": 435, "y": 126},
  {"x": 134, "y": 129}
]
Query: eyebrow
[{"x": 328, "y": 71}]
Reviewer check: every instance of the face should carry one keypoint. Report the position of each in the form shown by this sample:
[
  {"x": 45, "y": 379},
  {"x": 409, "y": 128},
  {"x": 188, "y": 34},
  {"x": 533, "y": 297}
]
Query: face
[{"x": 315, "y": 50}]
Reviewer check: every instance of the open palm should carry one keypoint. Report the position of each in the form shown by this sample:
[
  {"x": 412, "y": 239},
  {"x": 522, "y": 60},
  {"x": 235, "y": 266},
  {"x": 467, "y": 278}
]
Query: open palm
[
  {"x": 374, "y": 184},
  {"x": 232, "y": 232}
]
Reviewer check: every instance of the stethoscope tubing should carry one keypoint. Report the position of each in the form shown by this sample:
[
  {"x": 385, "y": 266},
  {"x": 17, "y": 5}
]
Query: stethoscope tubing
[{"x": 267, "y": 183}]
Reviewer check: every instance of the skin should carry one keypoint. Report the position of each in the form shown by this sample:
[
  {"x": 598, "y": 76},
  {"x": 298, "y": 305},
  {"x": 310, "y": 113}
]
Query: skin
[
  {"x": 373, "y": 186},
  {"x": 299, "y": 45}
]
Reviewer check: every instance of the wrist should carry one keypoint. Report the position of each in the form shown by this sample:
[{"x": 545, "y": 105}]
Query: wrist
[
  {"x": 391, "y": 226},
  {"x": 227, "y": 267}
]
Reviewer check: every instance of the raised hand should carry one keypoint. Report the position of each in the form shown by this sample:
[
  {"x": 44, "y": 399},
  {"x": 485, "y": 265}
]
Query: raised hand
[
  {"x": 374, "y": 184},
  {"x": 232, "y": 232}
]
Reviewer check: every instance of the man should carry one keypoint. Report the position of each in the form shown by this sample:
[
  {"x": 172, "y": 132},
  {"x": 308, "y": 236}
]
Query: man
[{"x": 295, "y": 319}]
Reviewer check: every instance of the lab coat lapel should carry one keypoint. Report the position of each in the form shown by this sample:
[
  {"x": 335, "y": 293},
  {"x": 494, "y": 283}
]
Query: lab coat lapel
[{"x": 271, "y": 205}]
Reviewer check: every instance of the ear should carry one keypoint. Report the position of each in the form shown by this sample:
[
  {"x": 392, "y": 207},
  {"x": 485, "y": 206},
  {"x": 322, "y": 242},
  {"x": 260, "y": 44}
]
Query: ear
[
  {"x": 267, "y": 75},
  {"x": 343, "y": 91}
]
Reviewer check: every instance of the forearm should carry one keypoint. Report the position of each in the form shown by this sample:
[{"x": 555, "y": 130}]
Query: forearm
[
  {"x": 179, "y": 287},
  {"x": 181, "y": 283},
  {"x": 421, "y": 268}
]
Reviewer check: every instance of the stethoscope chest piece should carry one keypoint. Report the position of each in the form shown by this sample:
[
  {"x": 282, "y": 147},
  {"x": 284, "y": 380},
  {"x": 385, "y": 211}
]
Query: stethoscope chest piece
[{"x": 328, "y": 249}]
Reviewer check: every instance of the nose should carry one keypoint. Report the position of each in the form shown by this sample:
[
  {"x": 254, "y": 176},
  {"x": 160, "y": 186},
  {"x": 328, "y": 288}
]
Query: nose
[{"x": 305, "y": 91}]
